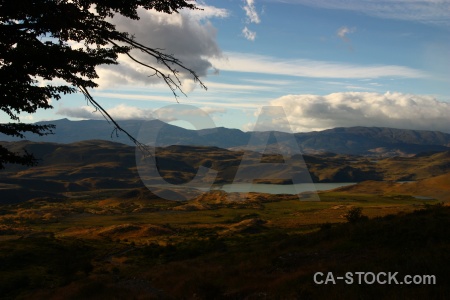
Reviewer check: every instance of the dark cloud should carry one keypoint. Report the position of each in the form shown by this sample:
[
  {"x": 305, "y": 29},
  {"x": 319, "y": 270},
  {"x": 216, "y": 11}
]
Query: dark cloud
[{"x": 190, "y": 37}]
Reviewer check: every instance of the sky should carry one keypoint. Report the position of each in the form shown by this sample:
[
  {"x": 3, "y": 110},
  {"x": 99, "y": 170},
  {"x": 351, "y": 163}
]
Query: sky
[{"x": 336, "y": 63}]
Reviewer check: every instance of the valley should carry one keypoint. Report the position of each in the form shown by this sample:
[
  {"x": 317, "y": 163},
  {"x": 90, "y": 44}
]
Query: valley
[
  {"x": 94, "y": 165},
  {"x": 82, "y": 224}
]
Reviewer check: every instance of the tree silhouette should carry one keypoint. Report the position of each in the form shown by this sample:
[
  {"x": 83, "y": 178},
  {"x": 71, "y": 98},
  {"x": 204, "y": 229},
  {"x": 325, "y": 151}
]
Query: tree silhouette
[{"x": 37, "y": 45}]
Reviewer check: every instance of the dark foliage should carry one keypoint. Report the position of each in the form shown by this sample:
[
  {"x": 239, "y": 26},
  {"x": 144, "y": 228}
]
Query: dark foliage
[
  {"x": 355, "y": 215},
  {"x": 35, "y": 46},
  {"x": 41, "y": 262}
]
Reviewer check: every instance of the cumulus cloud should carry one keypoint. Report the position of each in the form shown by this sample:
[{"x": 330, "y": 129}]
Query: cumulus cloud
[
  {"x": 248, "y": 34},
  {"x": 396, "y": 110},
  {"x": 189, "y": 36}
]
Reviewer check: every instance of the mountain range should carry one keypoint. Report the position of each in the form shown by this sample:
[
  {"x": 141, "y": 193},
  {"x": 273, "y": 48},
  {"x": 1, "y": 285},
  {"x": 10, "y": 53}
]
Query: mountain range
[{"x": 367, "y": 141}]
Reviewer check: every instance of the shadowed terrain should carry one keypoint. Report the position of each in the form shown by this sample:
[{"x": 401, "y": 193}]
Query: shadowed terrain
[
  {"x": 81, "y": 225},
  {"x": 97, "y": 165}
]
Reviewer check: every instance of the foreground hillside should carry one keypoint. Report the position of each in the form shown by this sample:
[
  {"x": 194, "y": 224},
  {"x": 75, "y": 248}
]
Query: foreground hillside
[{"x": 247, "y": 253}]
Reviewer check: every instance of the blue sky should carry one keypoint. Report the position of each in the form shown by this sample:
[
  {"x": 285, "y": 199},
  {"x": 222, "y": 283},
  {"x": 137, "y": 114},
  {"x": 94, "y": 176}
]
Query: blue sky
[{"x": 327, "y": 63}]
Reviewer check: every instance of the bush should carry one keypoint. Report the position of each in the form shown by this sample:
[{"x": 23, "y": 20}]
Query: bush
[{"x": 355, "y": 215}]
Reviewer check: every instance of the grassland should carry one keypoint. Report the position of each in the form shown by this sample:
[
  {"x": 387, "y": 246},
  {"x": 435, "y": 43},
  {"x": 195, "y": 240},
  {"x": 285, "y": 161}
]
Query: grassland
[{"x": 102, "y": 244}]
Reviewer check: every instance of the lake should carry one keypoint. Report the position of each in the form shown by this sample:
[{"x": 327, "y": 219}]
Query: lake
[{"x": 279, "y": 188}]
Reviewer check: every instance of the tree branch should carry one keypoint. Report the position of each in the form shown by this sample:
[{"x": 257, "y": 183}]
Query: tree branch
[{"x": 142, "y": 147}]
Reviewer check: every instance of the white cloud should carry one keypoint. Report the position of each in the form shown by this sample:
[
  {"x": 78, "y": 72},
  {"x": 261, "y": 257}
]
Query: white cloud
[
  {"x": 25, "y": 118},
  {"x": 251, "y": 63},
  {"x": 219, "y": 98},
  {"x": 199, "y": 117},
  {"x": 207, "y": 12},
  {"x": 119, "y": 112},
  {"x": 189, "y": 36},
  {"x": 344, "y": 31},
  {"x": 126, "y": 112},
  {"x": 213, "y": 110},
  {"x": 215, "y": 87},
  {"x": 252, "y": 17},
  {"x": 134, "y": 97},
  {"x": 83, "y": 112},
  {"x": 427, "y": 11},
  {"x": 272, "y": 82},
  {"x": 248, "y": 34},
  {"x": 396, "y": 110},
  {"x": 250, "y": 11}
]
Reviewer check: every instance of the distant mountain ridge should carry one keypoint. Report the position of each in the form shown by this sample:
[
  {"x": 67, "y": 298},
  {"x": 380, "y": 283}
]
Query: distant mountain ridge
[{"x": 371, "y": 141}]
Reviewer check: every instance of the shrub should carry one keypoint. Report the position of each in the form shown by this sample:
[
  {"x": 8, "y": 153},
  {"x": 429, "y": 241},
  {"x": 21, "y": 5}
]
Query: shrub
[{"x": 355, "y": 215}]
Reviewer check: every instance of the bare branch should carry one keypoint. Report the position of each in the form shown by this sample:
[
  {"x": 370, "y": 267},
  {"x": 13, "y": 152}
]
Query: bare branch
[
  {"x": 166, "y": 60},
  {"x": 142, "y": 147}
]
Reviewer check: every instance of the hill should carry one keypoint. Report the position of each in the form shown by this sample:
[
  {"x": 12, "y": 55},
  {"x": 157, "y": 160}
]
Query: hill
[
  {"x": 375, "y": 141},
  {"x": 430, "y": 188},
  {"x": 368, "y": 141},
  {"x": 102, "y": 165}
]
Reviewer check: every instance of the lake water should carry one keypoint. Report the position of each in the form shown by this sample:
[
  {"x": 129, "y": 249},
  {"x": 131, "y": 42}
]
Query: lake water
[
  {"x": 424, "y": 198},
  {"x": 279, "y": 188}
]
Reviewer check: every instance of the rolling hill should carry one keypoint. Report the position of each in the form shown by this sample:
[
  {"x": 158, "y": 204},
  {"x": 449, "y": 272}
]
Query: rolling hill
[
  {"x": 103, "y": 165},
  {"x": 369, "y": 141}
]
